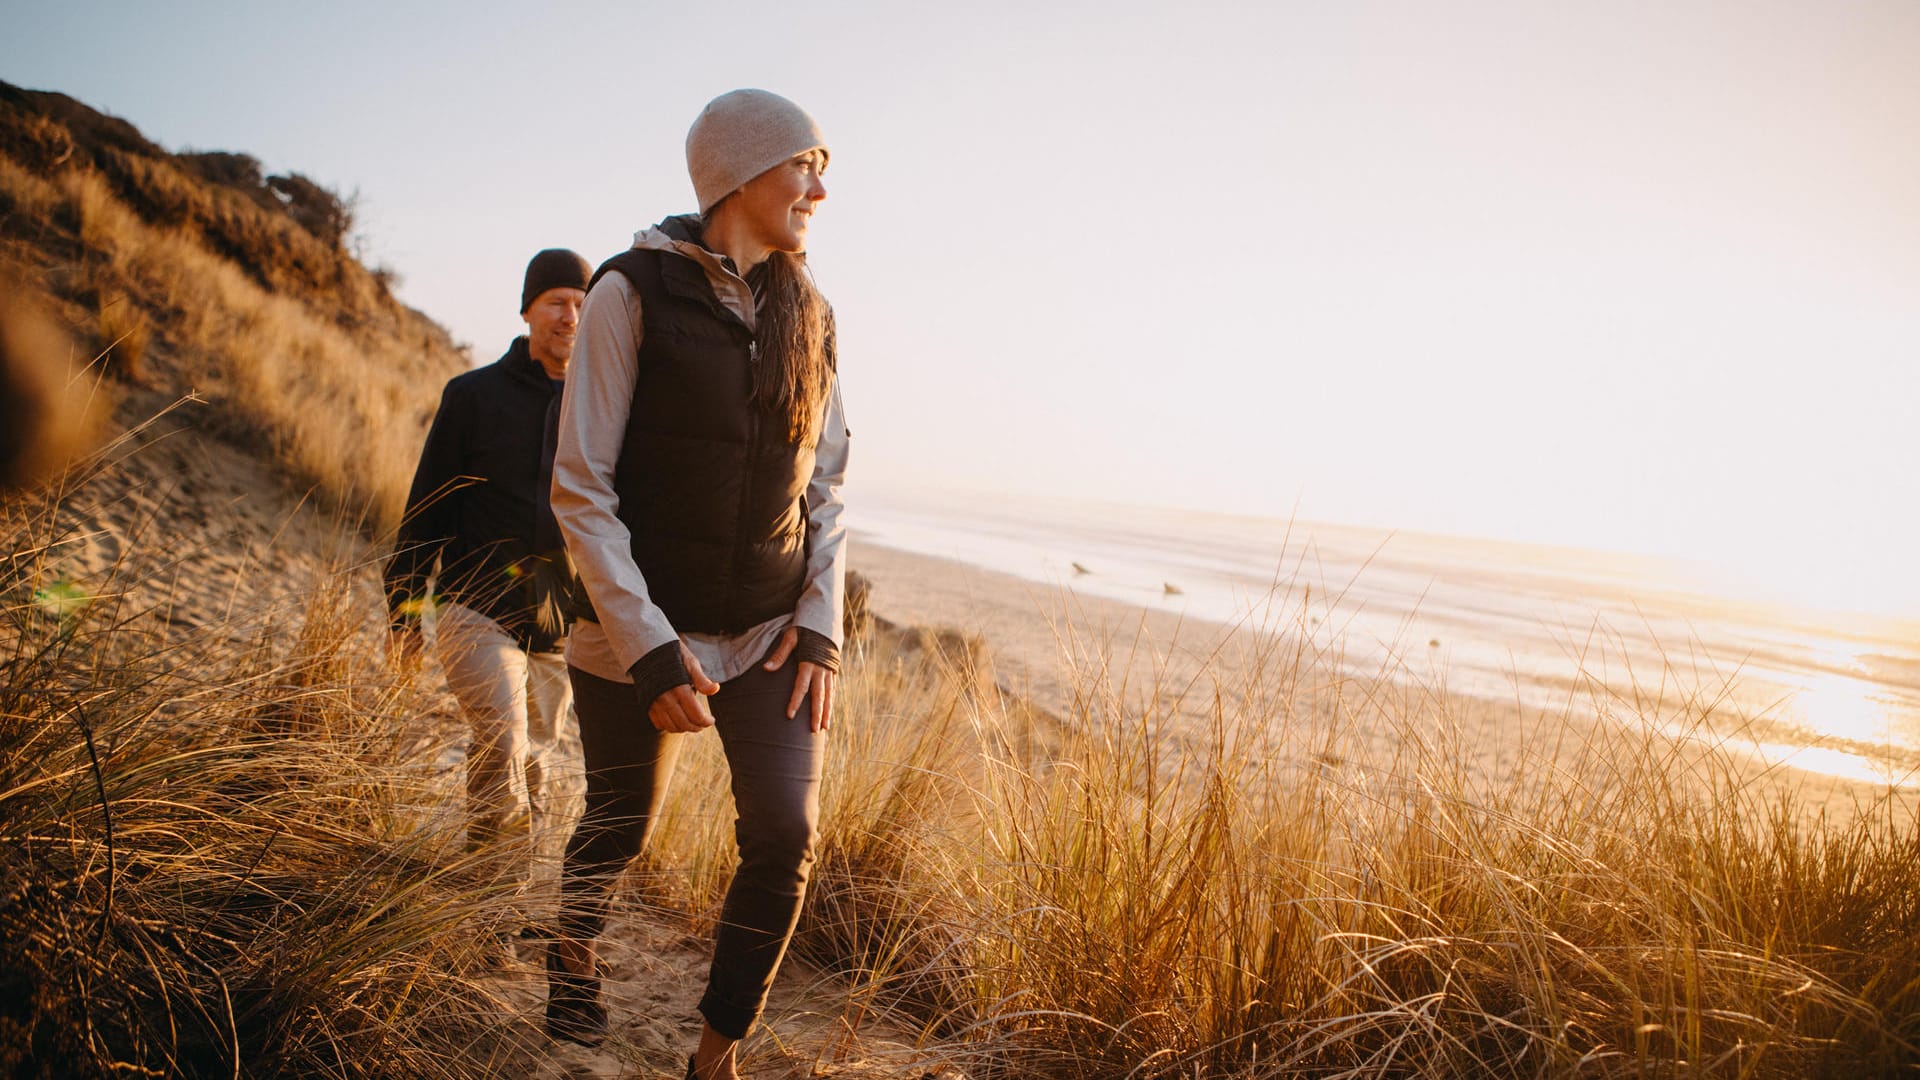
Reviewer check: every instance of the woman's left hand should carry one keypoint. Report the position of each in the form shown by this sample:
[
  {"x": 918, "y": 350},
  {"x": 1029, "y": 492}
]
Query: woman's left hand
[{"x": 813, "y": 684}]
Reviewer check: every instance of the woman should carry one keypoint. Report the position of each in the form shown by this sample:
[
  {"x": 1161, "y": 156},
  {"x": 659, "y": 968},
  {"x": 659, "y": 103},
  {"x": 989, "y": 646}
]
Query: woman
[{"x": 697, "y": 482}]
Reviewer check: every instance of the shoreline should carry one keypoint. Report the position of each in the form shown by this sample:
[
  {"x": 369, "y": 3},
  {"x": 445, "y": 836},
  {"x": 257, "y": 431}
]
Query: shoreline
[{"x": 1044, "y": 641}]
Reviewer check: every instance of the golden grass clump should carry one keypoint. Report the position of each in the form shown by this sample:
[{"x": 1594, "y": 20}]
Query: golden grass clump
[
  {"x": 215, "y": 859},
  {"x": 124, "y": 334},
  {"x": 48, "y": 415}
]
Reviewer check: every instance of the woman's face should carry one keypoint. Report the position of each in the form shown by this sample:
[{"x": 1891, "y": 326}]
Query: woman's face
[{"x": 777, "y": 204}]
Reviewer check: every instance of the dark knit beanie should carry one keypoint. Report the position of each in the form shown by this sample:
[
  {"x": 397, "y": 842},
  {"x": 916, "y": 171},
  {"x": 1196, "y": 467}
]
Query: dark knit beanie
[{"x": 554, "y": 268}]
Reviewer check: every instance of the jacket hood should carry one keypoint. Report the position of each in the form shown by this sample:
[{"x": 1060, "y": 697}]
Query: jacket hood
[
  {"x": 681, "y": 235},
  {"x": 673, "y": 234}
]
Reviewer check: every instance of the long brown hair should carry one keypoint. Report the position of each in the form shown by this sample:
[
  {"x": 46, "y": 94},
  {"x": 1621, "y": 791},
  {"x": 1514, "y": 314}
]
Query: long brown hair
[{"x": 791, "y": 336}]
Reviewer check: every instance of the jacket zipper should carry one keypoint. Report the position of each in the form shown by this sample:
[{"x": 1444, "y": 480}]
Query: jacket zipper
[{"x": 746, "y": 490}]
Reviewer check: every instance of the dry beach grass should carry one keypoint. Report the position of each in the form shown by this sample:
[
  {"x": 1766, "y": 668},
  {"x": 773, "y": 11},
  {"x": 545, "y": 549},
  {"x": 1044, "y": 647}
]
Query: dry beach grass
[{"x": 1106, "y": 891}]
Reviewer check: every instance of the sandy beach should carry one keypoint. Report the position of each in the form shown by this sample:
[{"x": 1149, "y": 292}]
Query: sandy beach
[{"x": 1053, "y": 644}]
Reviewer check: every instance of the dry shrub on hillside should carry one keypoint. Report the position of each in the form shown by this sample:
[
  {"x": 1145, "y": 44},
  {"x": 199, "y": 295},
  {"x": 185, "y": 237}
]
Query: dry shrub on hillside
[
  {"x": 285, "y": 231},
  {"x": 196, "y": 287}
]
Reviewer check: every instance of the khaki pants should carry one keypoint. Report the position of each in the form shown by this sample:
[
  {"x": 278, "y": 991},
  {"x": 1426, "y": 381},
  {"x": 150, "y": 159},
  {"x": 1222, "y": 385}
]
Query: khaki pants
[{"x": 515, "y": 703}]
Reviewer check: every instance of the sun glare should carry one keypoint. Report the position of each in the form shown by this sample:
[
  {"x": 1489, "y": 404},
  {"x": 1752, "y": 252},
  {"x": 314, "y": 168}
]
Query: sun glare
[
  {"x": 1840, "y": 704},
  {"x": 1843, "y": 707},
  {"x": 1828, "y": 762}
]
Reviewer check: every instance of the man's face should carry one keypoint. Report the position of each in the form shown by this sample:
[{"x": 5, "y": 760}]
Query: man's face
[{"x": 552, "y": 320}]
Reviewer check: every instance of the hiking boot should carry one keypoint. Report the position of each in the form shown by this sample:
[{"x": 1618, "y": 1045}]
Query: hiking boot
[{"x": 574, "y": 1011}]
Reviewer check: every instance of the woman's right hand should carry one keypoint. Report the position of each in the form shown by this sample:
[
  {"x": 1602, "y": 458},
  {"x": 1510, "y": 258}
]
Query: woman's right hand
[{"x": 684, "y": 708}]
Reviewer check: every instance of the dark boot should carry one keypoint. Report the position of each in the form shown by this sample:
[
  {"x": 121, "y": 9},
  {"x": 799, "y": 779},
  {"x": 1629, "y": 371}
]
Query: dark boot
[{"x": 574, "y": 1011}]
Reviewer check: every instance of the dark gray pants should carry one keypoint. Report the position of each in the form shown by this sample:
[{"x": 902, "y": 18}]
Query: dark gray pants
[{"x": 775, "y": 765}]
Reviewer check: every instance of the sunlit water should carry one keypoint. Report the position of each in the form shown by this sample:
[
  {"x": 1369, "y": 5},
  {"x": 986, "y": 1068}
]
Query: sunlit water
[{"x": 1633, "y": 638}]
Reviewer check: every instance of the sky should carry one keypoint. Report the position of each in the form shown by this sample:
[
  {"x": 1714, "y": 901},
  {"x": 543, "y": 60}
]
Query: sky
[{"x": 1630, "y": 276}]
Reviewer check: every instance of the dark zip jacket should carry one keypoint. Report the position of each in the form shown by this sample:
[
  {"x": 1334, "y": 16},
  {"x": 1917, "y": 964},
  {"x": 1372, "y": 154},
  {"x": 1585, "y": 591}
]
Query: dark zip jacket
[{"x": 479, "y": 507}]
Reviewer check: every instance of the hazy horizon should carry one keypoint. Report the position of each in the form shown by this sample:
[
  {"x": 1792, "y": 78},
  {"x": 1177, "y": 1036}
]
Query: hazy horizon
[
  {"x": 1634, "y": 278},
  {"x": 1655, "y": 573}
]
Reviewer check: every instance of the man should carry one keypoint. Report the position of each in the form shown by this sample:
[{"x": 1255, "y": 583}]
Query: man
[{"x": 479, "y": 527}]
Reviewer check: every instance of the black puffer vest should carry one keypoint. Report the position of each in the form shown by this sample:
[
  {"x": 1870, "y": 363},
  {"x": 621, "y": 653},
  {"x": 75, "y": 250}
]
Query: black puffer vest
[{"x": 709, "y": 485}]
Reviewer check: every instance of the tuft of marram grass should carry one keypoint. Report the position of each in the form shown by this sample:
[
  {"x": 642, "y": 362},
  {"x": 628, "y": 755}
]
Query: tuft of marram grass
[{"x": 214, "y": 859}]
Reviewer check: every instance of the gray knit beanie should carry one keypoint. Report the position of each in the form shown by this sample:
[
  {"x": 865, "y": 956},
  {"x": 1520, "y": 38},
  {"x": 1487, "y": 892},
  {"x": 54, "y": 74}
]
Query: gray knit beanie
[{"x": 740, "y": 135}]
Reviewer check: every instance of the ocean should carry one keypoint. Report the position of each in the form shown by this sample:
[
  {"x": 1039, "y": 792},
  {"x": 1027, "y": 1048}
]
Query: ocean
[{"x": 1552, "y": 628}]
